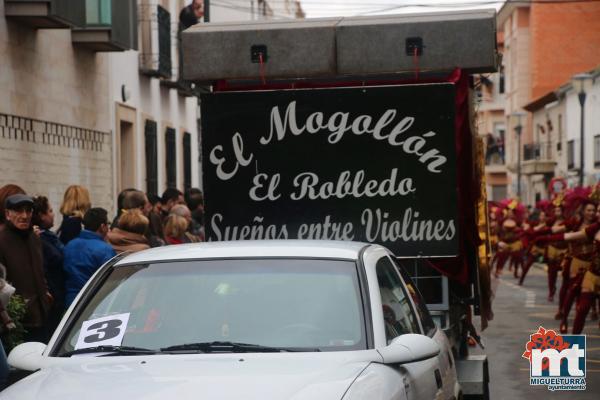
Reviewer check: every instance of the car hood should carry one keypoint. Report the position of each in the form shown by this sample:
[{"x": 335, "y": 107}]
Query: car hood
[{"x": 296, "y": 376}]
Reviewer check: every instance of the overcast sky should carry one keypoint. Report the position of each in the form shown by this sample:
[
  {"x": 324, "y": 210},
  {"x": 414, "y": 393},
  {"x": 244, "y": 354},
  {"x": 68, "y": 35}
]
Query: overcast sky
[{"x": 335, "y": 8}]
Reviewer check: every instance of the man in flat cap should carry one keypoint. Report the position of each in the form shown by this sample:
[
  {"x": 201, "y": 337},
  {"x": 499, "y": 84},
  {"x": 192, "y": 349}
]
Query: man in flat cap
[{"x": 21, "y": 254}]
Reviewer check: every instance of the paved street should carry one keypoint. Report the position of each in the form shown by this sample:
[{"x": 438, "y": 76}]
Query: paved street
[{"x": 518, "y": 312}]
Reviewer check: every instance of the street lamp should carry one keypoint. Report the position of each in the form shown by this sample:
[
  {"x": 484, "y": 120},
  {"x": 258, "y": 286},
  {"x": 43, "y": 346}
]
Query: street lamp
[
  {"x": 580, "y": 82},
  {"x": 517, "y": 117}
]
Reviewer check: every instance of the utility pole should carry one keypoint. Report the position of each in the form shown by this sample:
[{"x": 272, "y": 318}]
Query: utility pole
[
  {"x": 517, "y": 118},
  {"x": 518, "y": 132},
  {"x": 582, "y": 96},
  {"x": 579, "y": 82}
]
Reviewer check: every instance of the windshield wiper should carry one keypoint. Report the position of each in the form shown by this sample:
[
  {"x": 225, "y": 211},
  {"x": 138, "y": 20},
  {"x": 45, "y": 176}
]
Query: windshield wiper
[
  {"x": 232, "y": 347},
  {"x": 121, "y": 350}
]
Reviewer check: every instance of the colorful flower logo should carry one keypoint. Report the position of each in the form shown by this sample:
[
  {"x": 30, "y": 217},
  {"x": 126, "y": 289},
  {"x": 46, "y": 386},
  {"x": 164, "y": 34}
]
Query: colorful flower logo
[{"x": 545, "y": 339}]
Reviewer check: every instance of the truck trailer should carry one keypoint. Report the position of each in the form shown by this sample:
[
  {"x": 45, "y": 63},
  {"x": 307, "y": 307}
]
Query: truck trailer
[{"x": 356, "y": 129}]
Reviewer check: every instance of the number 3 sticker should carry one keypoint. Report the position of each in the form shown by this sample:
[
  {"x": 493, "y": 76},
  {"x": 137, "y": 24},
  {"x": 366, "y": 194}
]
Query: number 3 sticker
[{"x": 104, "y": 331}]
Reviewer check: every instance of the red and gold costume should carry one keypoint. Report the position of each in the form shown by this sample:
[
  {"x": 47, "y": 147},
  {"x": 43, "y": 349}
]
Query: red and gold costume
[
  {"x": 556, "y": 251},
  {"x": 581, "y": 255},
  {"x": 555, "y": 254},
  {"x": 565, "y": 265},
  {"x": 590, "y": 283},
  {"x": 536, "y": 250},
  {"x": 512, "y": 248},
  {"x": 581, "y": 264},
  {"x": 510, "y": 245}
]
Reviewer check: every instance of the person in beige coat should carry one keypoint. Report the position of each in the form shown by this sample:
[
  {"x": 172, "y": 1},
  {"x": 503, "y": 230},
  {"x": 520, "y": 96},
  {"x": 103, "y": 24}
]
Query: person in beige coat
[{"x": 129, "y": 235}]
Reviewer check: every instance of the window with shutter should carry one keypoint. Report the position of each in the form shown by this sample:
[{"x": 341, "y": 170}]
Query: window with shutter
[
  {"x": 597, "y": 151},
  {"x": 151, "y": 157},
  {"x": 171, "y": 158},
  {"x": 571, "y": 154},
  {"x": 164, "y": 42},
  {"x": 187, "y": 160}
]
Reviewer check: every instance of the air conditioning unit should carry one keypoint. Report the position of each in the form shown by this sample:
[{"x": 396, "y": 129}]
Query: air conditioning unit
[{"x": 155, "y": 36}]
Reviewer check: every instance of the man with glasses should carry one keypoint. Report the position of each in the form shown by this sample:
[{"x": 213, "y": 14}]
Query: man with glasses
[{"x": 21, "y": 254}]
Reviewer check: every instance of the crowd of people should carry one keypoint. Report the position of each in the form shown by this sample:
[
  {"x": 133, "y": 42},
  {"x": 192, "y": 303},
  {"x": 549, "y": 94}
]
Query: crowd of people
[
  {"x": 563, "y": 234},
  {"x": 48, "y": 268}
]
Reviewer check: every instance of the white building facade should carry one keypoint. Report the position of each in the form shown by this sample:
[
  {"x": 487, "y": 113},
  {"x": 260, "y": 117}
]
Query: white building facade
[
  {"x": 83, "y": 107},
  {"x": 55, "y": 119},
  {"x": 92, "y": 95},
  {"x": 254, "y": 10},
  {"x": 591, "y": 131},
  {"x": 557, "y": 117},
  {"x": 154, "y": 115}
]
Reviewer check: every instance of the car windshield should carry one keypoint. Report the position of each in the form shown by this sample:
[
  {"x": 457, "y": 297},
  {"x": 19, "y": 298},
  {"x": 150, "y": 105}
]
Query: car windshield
[{"x": 286, "y": 303}]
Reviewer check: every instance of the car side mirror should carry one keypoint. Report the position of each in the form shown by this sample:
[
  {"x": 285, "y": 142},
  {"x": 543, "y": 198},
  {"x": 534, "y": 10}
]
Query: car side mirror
[
  {"x": 27, "y": 356},
  {"x": 409, "y": 348}
]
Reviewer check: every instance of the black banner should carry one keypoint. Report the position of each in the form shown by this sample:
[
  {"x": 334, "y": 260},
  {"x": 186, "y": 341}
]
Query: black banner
[{"x": 374, "y": 164}]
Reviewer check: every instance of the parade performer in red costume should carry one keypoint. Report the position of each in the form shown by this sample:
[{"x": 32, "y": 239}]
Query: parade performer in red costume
[
  {"x": 582, "y": 252},
  {"x": 557, "y": 250},
  {"x": 571, "y": 210},
  {"x": 535, "y": 251},
  {"x": 590, "y": 281},
  {"x": 510, "y": 246}
]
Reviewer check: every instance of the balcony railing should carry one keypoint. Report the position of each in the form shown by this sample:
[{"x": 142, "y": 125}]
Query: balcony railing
[
  {"x": 539, "y": 158},
  {"x": 538, "y": 151}
]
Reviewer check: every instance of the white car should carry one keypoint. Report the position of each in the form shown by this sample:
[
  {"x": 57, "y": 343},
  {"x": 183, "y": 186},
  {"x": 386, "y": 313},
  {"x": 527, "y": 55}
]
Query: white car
[{"x": 243, "y": 320}]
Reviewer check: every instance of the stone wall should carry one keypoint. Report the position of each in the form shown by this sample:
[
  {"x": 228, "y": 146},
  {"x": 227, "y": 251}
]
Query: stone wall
[
  {"x": 45, "y": 157},
  {"x": 55, "y": 117}
]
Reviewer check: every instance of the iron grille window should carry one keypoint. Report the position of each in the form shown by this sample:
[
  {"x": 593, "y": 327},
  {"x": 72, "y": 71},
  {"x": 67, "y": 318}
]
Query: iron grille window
[
  {"x": 187, "y": 161},
  {"x": 164, "y": 42},
  {"x": 597, "y": 151},
  {"x": 571, "y": 154},
  {"x": 171, "y": 156},
  {"x": 151, "y": 157}
]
